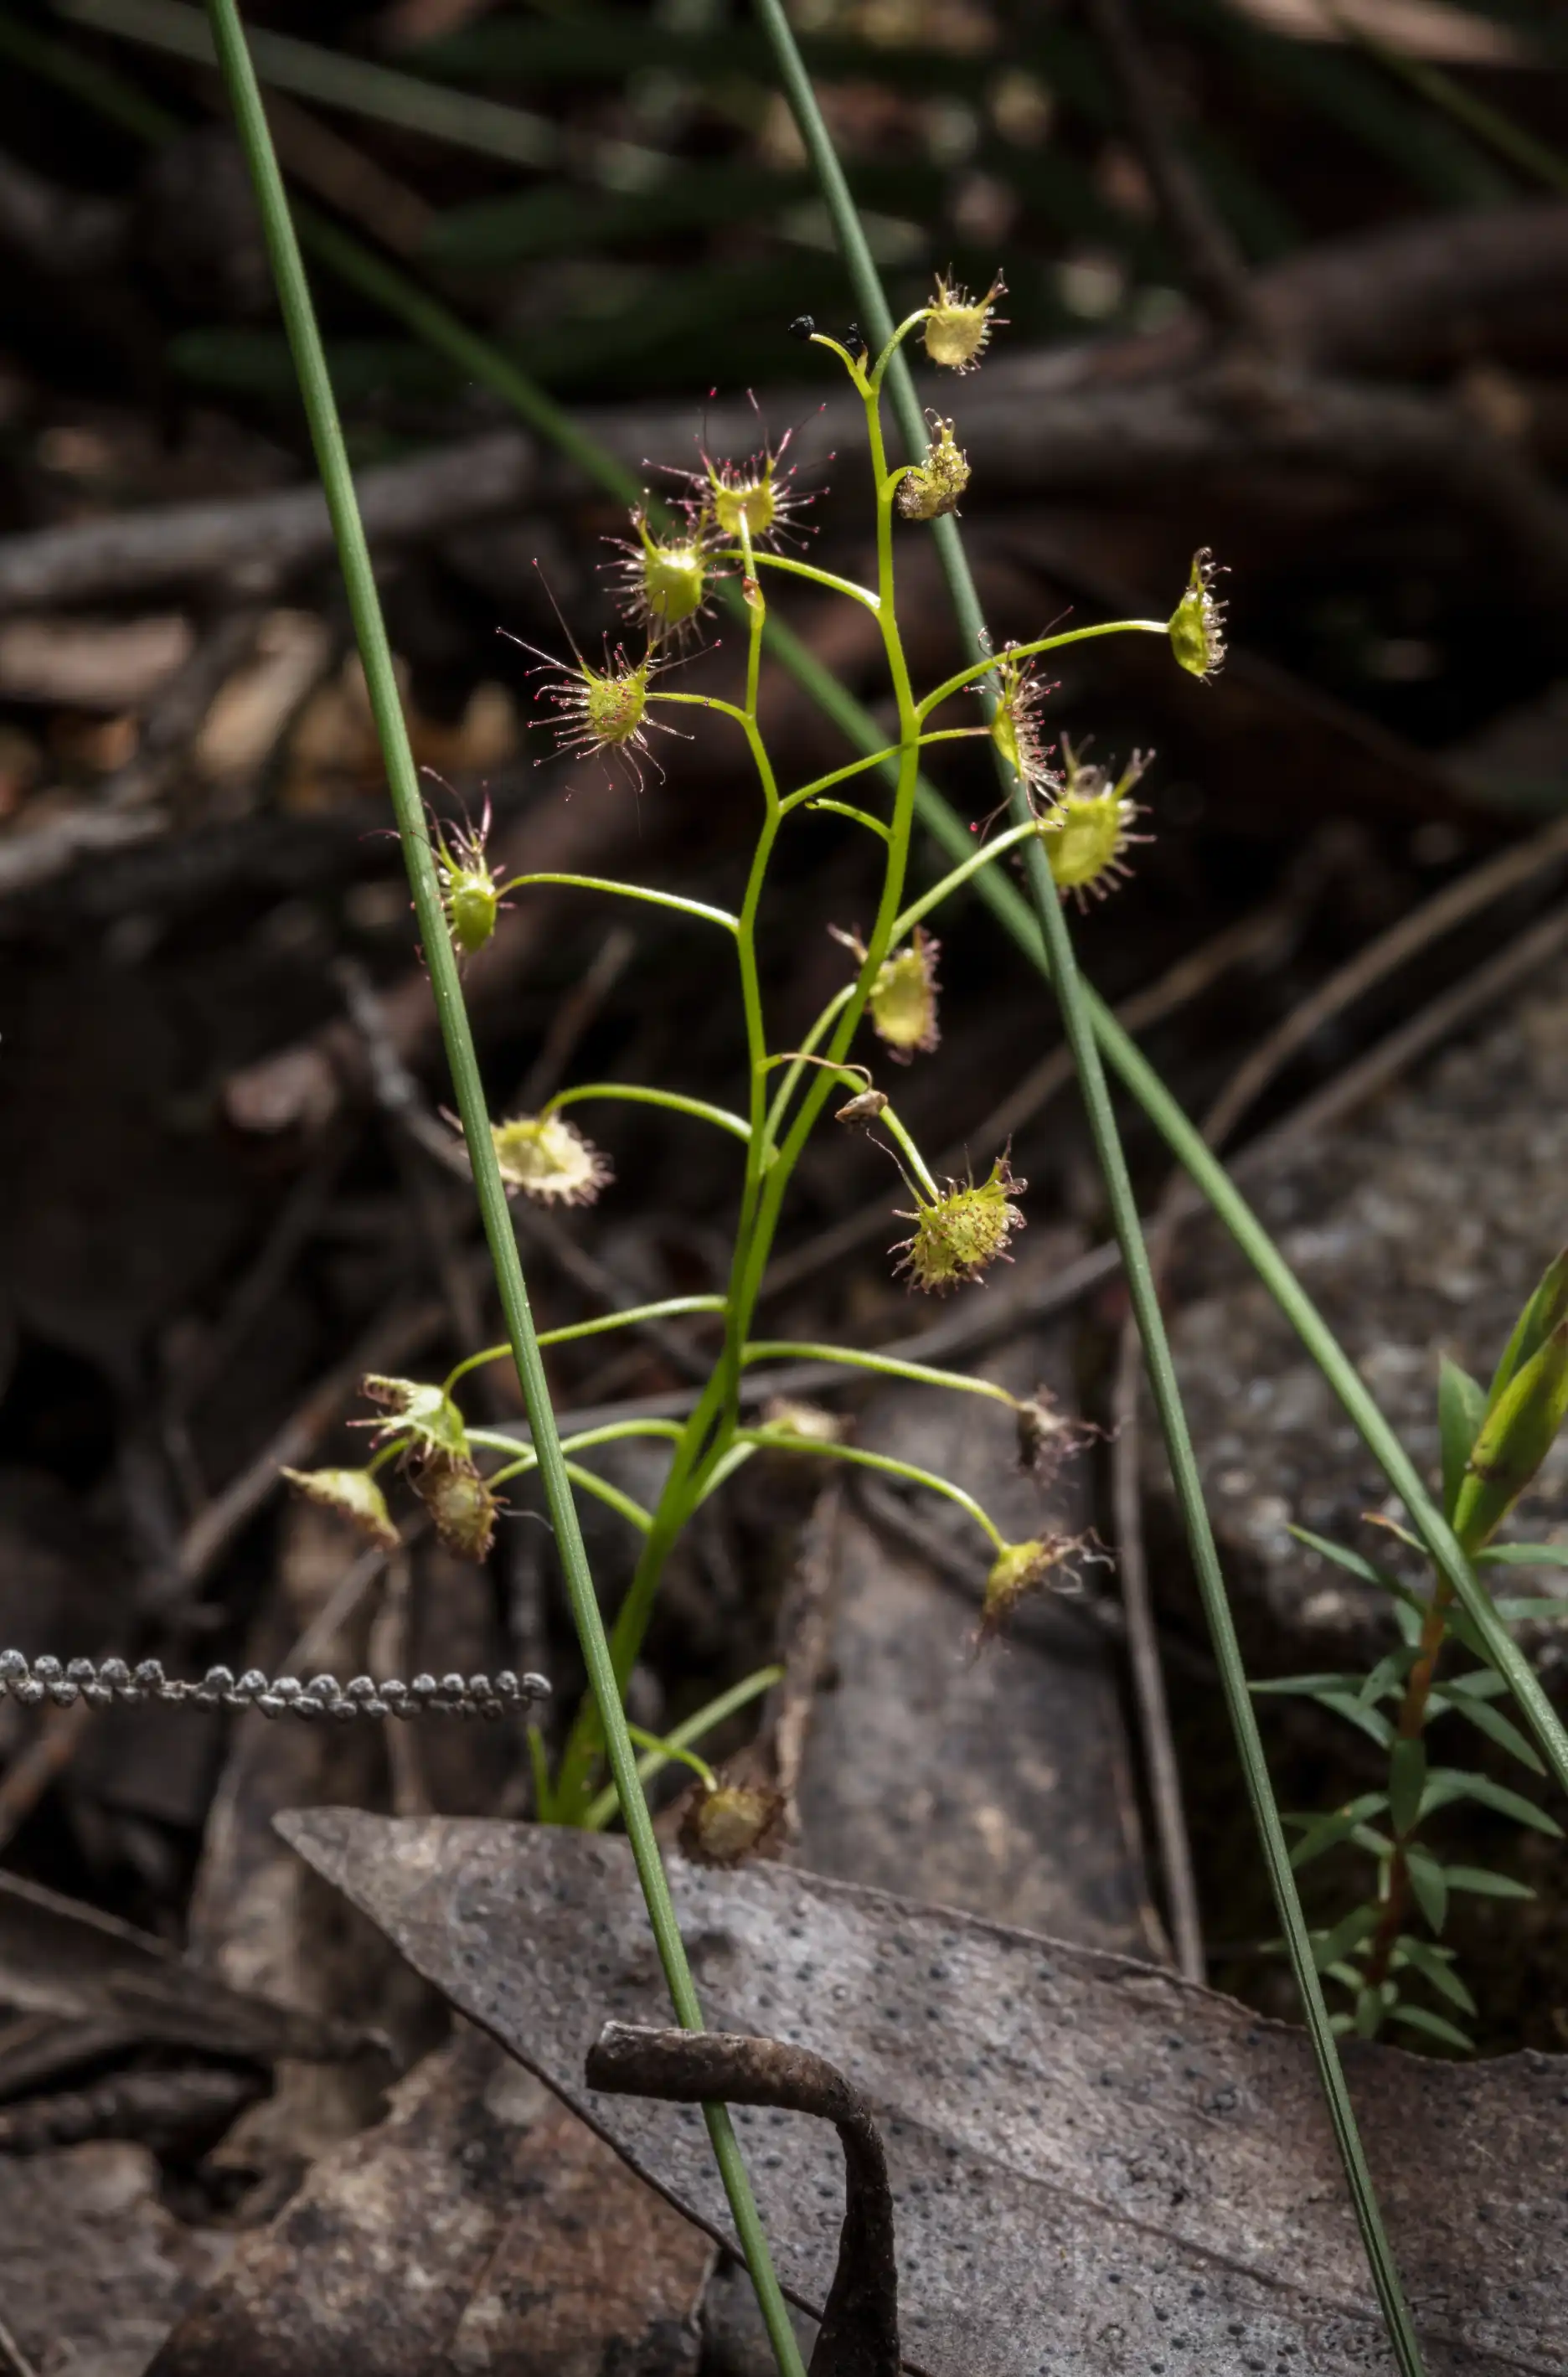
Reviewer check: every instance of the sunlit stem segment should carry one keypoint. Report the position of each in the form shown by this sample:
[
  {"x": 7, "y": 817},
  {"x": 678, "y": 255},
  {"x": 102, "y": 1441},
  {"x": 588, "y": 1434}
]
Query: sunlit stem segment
[
  {"x": 804, "y": 1055},
  {"x": 985, "y": 856},
  {"x": 887, "y": 1365},
  {"x": 890, "y": 1123},
  {"x": 655, "y": 1742},
  {"x": 669, "y": 1308},
  {"x": 635, "y": 1094},
  {"x": 751, "y": 560},
  {"x": 910, "y": 322},
  {"x": 613, "y": 1431},
  {"x": 821, "y": 784},
  {"x": 781, "y": 1439},
  {"x": 984, "y": 668},
  {"x": 858, "y": 816},
  {"x": 684, "y": 907}
]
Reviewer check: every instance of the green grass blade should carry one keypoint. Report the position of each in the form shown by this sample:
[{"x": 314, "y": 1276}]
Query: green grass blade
[
  {"x": 876, "y": 321},
  {"x": 377, "y": 656}
]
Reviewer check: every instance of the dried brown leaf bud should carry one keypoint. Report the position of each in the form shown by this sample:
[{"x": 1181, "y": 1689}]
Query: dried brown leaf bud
[
  {"x": 462, "y": 1507},
  {"x": 731, "y": 1822},
  {"x": 862, "y": 1109}
]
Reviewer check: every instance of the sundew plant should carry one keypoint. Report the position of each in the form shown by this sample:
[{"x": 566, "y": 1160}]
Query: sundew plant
[
  {"x": 736, "y": 525},
  {"x": 1070, "y": 829}
]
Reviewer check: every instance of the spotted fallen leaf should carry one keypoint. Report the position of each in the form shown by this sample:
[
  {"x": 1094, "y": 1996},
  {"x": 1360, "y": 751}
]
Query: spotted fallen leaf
[{"x": 1099, "y": 2169}]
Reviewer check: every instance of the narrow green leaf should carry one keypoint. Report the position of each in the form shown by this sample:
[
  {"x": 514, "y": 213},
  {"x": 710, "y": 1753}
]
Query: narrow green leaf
[
  {"x": 1387, "y": 1678},
  {"x": 1410, "y": 1617},
  {"x": 1478, "y": 1881},
  {"x": 1323, "y": 1832},
  {"x": 1406, "y": 1781},
  {"x": 1415, "y": 2017},
  {"x": 1354, "y": 1563},
  {"x": 1446, "y": 1784},
  {"x": 1525, "y": 1556},
  {"x": 1547, "y": 1308},
  {"x": 1371, "y": 1722},
  {"x": 1515, "y": 1438},
  {"x": 1371, "y": 2006},
  {"x": 1330, "y": 1947},
  {"x": 1434, "y": 1965},
  {"x": 1430, "y": 1884},
  {"x": 1479, "y": 1684},
  {"x": 1461, "y": 1407},
  {"x": 1493, "y": 1724},
  {"x": 1303, "y": 1687}
]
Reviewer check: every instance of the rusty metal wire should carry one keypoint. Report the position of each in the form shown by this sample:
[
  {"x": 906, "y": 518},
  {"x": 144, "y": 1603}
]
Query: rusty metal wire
[{"x": 101, "y": 1683}]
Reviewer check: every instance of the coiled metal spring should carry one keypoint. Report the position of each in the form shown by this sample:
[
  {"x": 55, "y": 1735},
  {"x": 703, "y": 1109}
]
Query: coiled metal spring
[{"x": 102, "y": 1683}]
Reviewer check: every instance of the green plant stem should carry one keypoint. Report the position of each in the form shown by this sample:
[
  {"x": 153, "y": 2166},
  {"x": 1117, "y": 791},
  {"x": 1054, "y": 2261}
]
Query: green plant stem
[
  {"x": 1078, "y": 1026},
  {"x": 783, "y": 1440},
  {"x": 887, "y": 1365},
  {"x": 601, "y": 1809},
  {"x": 638, "y": 1093},
  {"x": 669, "y": 1308},
  {"x": 682, "y": 906},
  {"x": 381, "y": 683}
]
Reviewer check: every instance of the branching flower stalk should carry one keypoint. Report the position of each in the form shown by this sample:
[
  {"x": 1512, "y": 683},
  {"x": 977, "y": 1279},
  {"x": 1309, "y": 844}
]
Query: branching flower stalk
[
  {"x": 109, "y": 95},
  {"x": 960, "y": 1228}
]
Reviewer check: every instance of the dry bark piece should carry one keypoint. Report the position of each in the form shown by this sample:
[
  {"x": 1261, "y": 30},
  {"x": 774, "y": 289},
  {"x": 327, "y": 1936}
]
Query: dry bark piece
[
  {"x": 481, "y": 2228},
  {"x": 1096, "y": 2165}
]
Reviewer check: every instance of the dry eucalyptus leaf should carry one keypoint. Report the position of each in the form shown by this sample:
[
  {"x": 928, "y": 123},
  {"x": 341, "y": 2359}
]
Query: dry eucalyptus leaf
[
  {"x": 1099, "y": 2169},
  {"x": 479, "y": 2229}
]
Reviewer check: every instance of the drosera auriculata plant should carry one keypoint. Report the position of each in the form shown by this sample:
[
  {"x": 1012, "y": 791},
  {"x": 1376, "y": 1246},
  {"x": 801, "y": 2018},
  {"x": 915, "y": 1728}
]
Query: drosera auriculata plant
[{"x": 735, "y": 524}]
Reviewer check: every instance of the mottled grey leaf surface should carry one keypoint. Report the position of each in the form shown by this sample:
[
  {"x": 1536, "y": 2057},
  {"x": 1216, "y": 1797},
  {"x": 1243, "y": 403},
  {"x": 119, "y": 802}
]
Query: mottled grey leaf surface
[{"x": 1100, "y": 2169}]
